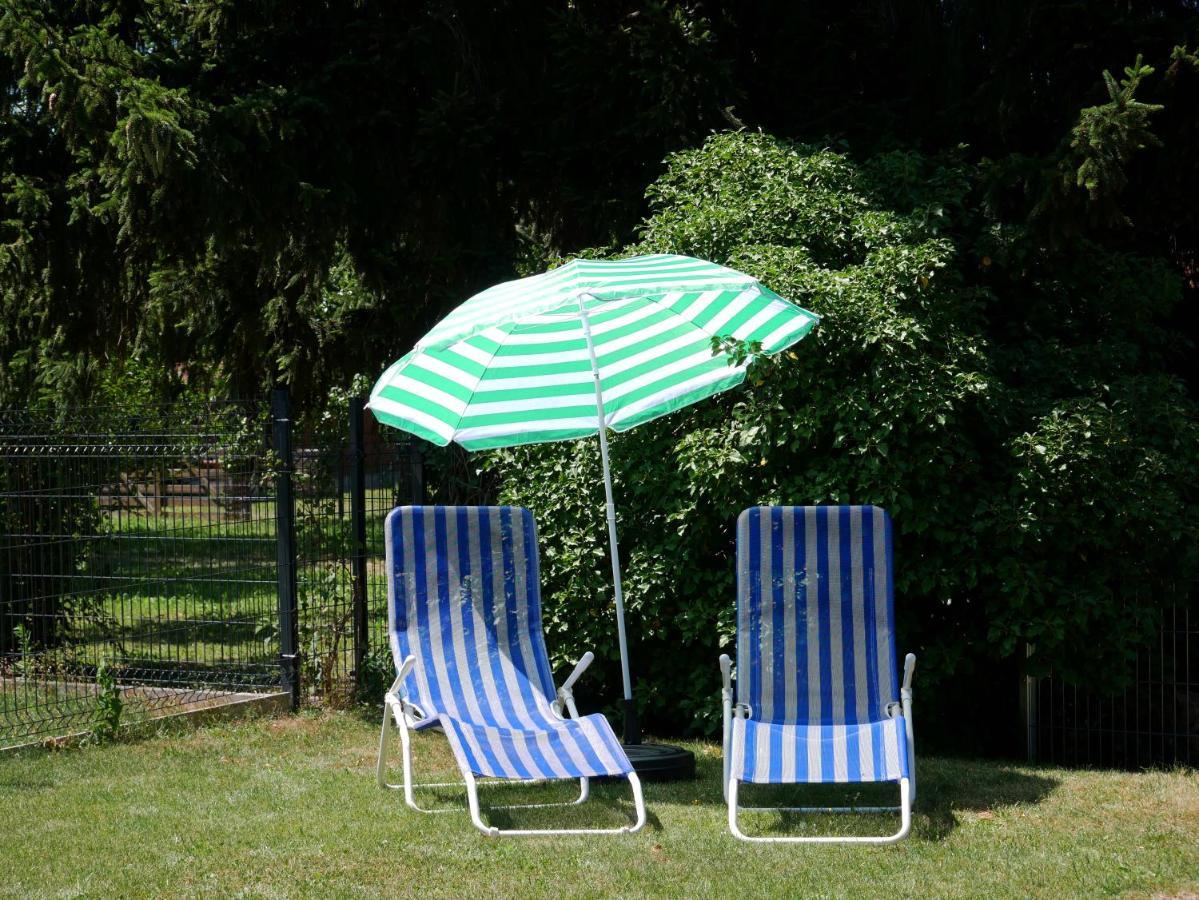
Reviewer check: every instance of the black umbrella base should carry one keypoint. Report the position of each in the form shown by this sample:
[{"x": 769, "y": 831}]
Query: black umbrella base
[{"x": 660, "y": 762}]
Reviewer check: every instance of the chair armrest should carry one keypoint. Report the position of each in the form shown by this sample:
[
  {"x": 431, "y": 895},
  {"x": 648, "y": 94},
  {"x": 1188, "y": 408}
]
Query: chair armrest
[
  {"x": 743, "y": 710},
  {"x": 905, "y": 697},
  {"x": 903, "y": 706},
  {"x": 580, "y": 668},
  {"x": 726, "y": 672},
  {"x": 566, "y": 696},
  {"x": 909, "y": 668},
  {"x": 405, "y": 668}
]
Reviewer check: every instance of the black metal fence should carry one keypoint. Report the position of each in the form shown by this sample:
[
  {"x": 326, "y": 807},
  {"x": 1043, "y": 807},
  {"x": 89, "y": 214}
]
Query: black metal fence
[
  {"x": 345, "y": 486},
  {"x": 1154, "y": 722},
  {"x": 139, "y": 539},
  {"x": 206, "y": 552},
  {"x": 200, "y": 553}
]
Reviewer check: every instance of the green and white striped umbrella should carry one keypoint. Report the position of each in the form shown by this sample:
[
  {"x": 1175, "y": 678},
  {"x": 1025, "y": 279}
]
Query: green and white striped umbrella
[{"x": 512, "y": 365}]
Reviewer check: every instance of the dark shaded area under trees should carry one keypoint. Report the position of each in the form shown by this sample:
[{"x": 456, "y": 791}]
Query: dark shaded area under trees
[
  {"x": 1041, "y": 468},
  {"x": 269, "y": 190}
]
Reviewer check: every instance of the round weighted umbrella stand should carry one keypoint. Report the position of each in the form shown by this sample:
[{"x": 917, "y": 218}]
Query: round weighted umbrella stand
[
  {"x": 661, "y": 762},
  {"x": 590, "y": 346}
]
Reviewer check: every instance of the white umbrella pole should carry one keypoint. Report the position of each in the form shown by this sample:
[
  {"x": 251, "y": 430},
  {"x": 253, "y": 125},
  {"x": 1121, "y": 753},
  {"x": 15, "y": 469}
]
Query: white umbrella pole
[{"x": 632, "y": 733}]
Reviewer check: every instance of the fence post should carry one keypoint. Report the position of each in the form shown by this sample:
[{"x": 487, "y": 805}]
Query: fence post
[
  {"x": 1028, "y": 709},
  {"x": 358, "y": 525},
  {"x": 416, "y": 473},
  {"x": 285, "y": 541}
]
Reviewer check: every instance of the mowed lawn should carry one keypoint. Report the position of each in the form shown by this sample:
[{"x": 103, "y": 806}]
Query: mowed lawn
[{"x": 289, "y": 807}]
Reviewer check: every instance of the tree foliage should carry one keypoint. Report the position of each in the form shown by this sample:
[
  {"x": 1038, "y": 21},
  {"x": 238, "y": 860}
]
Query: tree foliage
[
  {"x": 1006, "y": 402},
  {"x": 263, "y": 191},
  {"x": 290, "y": 191}
]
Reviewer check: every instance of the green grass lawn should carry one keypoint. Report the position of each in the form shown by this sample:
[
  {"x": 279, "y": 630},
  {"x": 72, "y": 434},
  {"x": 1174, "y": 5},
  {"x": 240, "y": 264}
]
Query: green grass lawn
[
  {"x": 289, "y": 807},
  {"x": 199, "y": 587}
]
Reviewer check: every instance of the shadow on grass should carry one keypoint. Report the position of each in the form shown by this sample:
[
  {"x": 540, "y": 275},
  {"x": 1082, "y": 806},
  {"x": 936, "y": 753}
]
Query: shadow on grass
[
  {"x": 946, "y": 788},
  {"x": 949, "y": 786}
]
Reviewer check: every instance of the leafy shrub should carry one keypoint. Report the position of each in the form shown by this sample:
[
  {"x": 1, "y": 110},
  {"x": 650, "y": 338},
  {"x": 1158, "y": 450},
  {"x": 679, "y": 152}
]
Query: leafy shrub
[
  {"x": 376, "y": 675},
  {"x": 1007, "y": 406},
  {"x": 106, "y": 715}
]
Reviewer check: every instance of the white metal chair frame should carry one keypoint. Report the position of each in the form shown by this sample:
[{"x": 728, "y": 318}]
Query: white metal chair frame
[
  {"x": 907, "y": 786},
  {"x": 407, "y": 717}
]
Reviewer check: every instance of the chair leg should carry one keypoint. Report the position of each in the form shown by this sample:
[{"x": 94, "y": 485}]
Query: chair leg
[
  {"x": 472, "y": 795},
  {"x": 727, "y": 768},
  {"x": 406, "y": 746},
  {"x": 381, "y": 766},
  {"x": 905, "y": 824},
  {"x": 406, "y": 761},
  {"x": 472, "y": 799},
  {"x": 638, "y": 803}
]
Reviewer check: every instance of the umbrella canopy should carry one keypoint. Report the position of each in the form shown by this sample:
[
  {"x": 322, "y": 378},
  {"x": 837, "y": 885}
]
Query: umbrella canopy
[
  {"x": 553, "y": 356},
  {"x": 512, "y": 365}
]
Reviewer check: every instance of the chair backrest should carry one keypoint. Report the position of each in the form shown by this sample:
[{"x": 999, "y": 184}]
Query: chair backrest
[
  {"x": 815, "y": 614},
  {"x": 463, "y": 596}
]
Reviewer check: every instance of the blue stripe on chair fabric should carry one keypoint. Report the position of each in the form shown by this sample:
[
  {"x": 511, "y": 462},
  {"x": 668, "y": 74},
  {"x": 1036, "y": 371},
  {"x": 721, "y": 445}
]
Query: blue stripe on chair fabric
[
  {"x": 816, "y": 655},
  {"x": 464, "y": 598}
]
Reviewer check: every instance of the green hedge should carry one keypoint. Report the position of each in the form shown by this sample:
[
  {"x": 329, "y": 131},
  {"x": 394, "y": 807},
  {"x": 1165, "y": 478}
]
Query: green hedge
[{"x": 1005, "y": 402}]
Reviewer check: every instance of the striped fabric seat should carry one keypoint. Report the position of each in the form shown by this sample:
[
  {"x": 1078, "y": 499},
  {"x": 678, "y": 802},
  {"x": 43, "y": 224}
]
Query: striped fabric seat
[
  {"x": 782, "y": 753},
  {"x": 570, "y": 748},
  {"x": 817, "y": 670},
  {"x": 464, "y": 599}
]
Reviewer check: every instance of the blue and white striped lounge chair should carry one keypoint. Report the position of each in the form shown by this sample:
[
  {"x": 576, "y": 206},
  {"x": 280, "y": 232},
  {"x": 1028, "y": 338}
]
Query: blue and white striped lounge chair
[
  {"x": 464, "y": 622},
  {"x": 817, "y": 680}
]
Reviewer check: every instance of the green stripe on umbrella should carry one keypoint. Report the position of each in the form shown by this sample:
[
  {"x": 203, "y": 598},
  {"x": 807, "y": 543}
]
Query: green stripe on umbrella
[{"x": 550, "y": 357}]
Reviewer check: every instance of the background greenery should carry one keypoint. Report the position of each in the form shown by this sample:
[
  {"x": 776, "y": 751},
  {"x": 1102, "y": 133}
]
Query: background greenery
[
  {"x": 243, "y": 192},
  {"x": 213, "y": 197},
  {"x": 1006, "y": 402}
]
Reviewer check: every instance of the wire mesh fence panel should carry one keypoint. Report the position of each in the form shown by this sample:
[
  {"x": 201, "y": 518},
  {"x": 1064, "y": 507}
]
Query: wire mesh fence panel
[
  {"x": 325, "y": 500},
  {"x": 140, "y": 539},
  {"x": 395, "y": 476},
  {"x": 1154, "y": 722}
]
